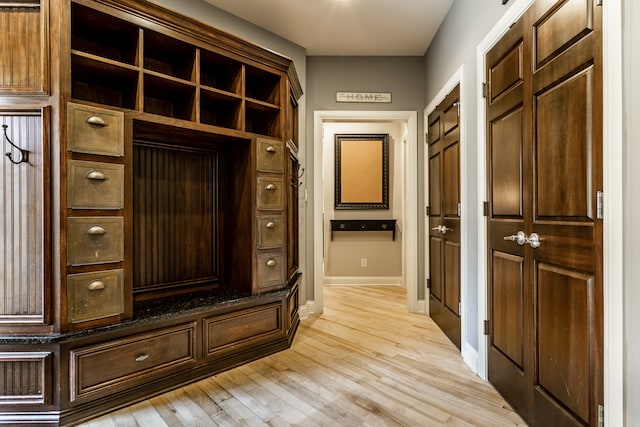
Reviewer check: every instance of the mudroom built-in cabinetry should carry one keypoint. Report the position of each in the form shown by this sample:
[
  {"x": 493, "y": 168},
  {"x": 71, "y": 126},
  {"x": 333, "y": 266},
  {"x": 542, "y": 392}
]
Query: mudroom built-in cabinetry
[{"x": 149, "y": 233}]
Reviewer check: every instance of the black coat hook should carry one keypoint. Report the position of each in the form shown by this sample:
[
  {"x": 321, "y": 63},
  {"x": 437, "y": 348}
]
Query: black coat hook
[
  {"x": 295, "y": 181},
  {"x": 24, "y": 154}
]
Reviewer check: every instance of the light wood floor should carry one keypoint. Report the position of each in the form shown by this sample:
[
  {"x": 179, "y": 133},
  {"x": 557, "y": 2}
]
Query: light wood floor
[{"x": 364, "y": 361}]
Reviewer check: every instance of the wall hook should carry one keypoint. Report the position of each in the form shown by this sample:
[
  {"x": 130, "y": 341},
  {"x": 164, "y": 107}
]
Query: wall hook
[
  {"x": 24, "y": 154},
  {"x": 296, "y": 182}
]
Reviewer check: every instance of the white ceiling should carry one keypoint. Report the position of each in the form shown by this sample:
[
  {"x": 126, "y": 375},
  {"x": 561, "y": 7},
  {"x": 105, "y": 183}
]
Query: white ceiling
[{"x": 347, "y": 27}]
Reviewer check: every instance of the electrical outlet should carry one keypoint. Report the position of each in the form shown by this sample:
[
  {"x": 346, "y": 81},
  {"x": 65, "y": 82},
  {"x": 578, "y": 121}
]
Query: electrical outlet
[{"x": 363, "y": 262}]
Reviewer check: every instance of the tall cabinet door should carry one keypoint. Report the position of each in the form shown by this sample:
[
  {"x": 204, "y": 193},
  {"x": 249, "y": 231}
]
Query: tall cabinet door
[
  {"x": 444, "y": 216},
  {"x": 566, "y": 180},
  {"x": 23, "y": 226},
  {"x": 544, "y": 156},
  {"x": 510, "y": 302}
]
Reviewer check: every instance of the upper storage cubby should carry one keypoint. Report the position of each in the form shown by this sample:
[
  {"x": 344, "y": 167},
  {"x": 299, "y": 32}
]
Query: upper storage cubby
[
  {"x": 220, "y": 72},
  {"x": 262, "y": 85},
  {"x": 103, "y": 35},
  {"x": 103, "y": 82},
  {"x": 169, "y": 56},
  {"x": 143, "y": 63},
  {"x": 170, "y": 98}
]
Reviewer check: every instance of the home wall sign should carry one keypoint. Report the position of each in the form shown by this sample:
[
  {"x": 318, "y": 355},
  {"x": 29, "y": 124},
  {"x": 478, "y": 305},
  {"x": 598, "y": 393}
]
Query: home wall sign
[{"x": 372, "y": 97}]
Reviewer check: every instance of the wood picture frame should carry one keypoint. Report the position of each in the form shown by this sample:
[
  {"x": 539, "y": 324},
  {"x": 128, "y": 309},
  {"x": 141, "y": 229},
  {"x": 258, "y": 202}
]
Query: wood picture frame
[{"x": 361, "y": 171}]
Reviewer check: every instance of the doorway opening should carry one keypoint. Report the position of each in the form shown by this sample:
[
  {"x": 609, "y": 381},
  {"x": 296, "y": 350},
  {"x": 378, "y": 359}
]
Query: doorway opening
[
  {"x": 406, "y": 124},
  {"x": 468, "y": 291}
]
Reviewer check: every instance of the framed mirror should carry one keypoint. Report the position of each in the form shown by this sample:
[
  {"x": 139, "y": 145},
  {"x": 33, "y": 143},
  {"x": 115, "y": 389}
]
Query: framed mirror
[{"x": 362, "y": 171}]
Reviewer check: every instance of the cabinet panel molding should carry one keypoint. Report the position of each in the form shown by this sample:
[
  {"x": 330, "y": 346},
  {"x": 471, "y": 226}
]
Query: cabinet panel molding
[
  {"x": 24, "y": 43},
  {"x": 26, "y": 378}
]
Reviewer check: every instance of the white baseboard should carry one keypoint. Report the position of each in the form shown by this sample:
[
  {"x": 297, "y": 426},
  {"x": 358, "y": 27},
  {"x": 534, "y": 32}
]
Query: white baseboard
[
  {"x": 306, "y": 309},
  {"x": 421, "y": 307},
  {"x": 362, "y": 281},
  {"x": 470, "y": 357}
]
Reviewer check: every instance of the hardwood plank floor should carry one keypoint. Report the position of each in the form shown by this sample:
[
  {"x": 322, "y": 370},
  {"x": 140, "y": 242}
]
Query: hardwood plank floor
[{"x": 364, "y": 362}]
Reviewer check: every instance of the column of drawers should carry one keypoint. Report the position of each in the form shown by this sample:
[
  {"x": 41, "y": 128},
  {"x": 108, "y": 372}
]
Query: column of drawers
[
  {"x": 270, "y": 220},
  {"x": 95, "y": 241}
]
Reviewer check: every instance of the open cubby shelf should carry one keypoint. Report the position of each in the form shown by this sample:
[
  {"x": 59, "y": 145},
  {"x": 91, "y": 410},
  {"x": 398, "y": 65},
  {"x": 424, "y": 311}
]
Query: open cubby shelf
[
  {"x": 168, "y": 97},
  {"x": 115, "y": 61},
  {"x": 116, "y": 39},
  {"x": 219, "y": 72},
  {"x": 189, "y": 205},
  {"x": 103, "y": 81},
  {"x": 262, "y": 85},
  {"x": 218, "y": 109},
  {"x": 169, "y": 56}
]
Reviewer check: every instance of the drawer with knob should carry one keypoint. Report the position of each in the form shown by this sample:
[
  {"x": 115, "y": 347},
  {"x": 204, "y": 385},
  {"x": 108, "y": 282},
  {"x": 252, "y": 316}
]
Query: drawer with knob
[
  {"x": 95, "y": 240},
  {"x": 94, "y": 295},
  {"x": 116, "y": 365},
  {"x": 271, "y": 230},
  {"x": 270, "y": 155},
  {"x": 95, "y": 185},
  {"x": 95, "y": 130},
  {"x": 271, "y": 267},
  {"x": 270, "y": 193}
]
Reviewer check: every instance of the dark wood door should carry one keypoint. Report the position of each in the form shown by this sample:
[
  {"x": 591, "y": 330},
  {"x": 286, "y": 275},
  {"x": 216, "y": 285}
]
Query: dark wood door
[
  {"x": 544, "y": 155},
  {"x": 444, "y": 215}
]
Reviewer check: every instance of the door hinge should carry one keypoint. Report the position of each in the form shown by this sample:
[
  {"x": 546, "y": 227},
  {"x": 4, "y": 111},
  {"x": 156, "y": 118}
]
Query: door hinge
[
  {"x": 485, "y": 208},
  {"x": 460, "y": 307},
  {"x": 484, "y": 90},
  {"x": 459, "y": 209},
  {"x": 427, "y": 211},
  {"x": 428, "y": 284},
  {"x": 457, "y": 105},
  {"x": 486, "y": 327},
  {"x": 601, "y": 415},
  {"x": 600, "y": 205}
]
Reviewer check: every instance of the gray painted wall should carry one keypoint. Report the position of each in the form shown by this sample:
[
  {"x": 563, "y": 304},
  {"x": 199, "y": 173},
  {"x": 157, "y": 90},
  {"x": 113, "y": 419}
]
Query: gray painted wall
[
  {"x": 326, "y": 75},
  {"x": 400, "y": 75},
  {"x": 631, "y": 89},
  {"x": 466, "y": 24}
]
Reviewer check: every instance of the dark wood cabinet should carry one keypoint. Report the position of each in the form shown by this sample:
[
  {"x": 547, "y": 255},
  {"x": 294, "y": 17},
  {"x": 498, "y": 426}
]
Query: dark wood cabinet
[{"x": 158, "y": 209}]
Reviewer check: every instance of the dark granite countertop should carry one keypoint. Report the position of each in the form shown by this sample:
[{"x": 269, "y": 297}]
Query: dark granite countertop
[{"x": 159, "y": 309}]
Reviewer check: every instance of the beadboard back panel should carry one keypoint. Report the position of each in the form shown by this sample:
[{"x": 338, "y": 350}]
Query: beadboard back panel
[
  {"x": 22, "y": 44},
  {"x": 23, "y": 378},
  {"x": 22, "y": 227},
  {"x": 175, "y": 217}
]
